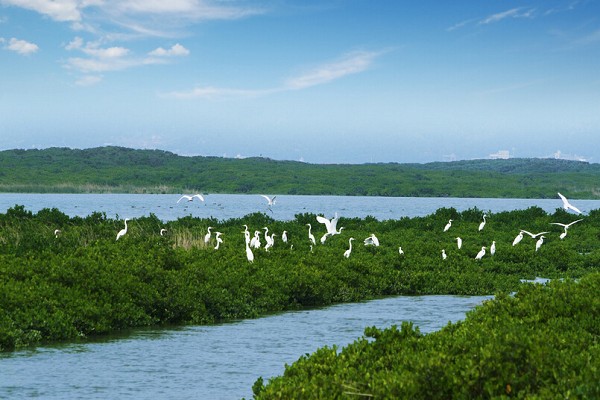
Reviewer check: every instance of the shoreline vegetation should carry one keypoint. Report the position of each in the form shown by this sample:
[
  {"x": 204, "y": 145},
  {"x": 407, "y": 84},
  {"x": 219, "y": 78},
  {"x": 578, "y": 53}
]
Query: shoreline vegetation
[{"x": 122, "y": 170}]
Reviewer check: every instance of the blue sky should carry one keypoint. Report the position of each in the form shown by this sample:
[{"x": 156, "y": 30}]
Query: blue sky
[{"x": 331, "y": 81}]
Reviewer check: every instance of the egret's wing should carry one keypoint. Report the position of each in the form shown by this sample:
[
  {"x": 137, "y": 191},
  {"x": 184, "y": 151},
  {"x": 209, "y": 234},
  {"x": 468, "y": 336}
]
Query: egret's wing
[
  {"x": 529, "y": 233},
  {"x": 199, "y": 196},
  {"x": 558, "y": 223},
  {"x": 266, "y": 198},
  {"x": 181, "y": 198},
  {"x": 577, "y": 210},
  {"x": 574, "y": 222},
  {"x": 325, "y": 221},
  {"x": 541, "y": 233},
  {"x": 564, "y": 199},
  {"x": 375, "y": 240}
]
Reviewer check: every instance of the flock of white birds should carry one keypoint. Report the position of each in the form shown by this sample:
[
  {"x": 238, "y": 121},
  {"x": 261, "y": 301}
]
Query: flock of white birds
[{"x": 254, "y": 242}]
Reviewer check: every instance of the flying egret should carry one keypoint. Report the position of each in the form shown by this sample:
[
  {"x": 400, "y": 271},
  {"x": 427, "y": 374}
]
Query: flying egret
[
  {"x": 538, "y": 244},
  {"x": 163, "y": 231},
  {"x": 123, "y": 231},
  {"x": 218, "y": 239},
  {"x": 284, "y": 237},
  {"x": 330, "y": 225},
  {"x": 518, "y": 238},
  {"x": 482, "y": 225},
  {"x": 448, "y": 225},
  {"x": 481, "y": 253},
  {"x": 568, "y": 206},
  {"x": 191, "y": 198},
  {"x": 565, "y": 227},
  {"x": 311, "y": 237},
  {"x": 270, "y": 201},
  {"x": 458, "y": 243},
  {"x": 533, "y": 235},
  {"x": 444, "y": 256},
  {"x": 347, "y": 252},
  {"x": 372, "y": 240},
  {"x": 207, "y": 236},
  {"x": 493, "y": 248}
]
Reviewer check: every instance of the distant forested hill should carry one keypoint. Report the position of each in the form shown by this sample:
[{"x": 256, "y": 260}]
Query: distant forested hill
[{"x": 117, "y": 169}]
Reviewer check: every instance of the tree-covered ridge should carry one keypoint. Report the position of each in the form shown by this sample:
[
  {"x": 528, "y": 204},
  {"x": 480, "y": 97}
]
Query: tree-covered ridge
[{"x": 117, "y": 169}]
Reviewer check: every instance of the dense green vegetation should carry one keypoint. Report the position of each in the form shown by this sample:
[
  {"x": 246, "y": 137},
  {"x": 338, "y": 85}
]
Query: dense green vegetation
[
  {"x": 541, "y": 343},
  {"x": 116, "y": 169},
  {"x": 83, "y": 282}
]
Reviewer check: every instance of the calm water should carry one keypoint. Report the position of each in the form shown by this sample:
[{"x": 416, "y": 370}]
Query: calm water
[
  {"x": 226, "y": 206},
  {"x": 209, "y": 362}
]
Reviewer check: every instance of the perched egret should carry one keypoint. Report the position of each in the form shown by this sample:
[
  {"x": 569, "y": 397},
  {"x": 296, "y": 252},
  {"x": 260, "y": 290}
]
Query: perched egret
[
  {"x": 311, "y": 237},
  {"x": 538, "y": 244},
  {"x": 493, "y": 248},
  {"x": 123, "y": 231},
  {"x": 284, "y": 237},
  {"x": 372, "y": 240},
  {"x": 249, "y": 254},
  {"x": 57, "y": 232},
  {"x": 270, "y": 242},
  {"x": 191, "y": 198},
  {"x": 163, "y": 231},
  {"x": 568, "y": 206},
  {"x": 444, "y": 256},
  {"x": 481, "y": 253},
  {"x": 458, "y": 243},
  {"x": 255, "y": 242},
  {"x": 347, "y": 252},
  {"x": 400, "y": 251},
  {"x": 448, "y": 225},
  {"x": 218, "y": 239},
  {"x": 482, "y": 225},
  {"x": 565, "y": 227},
  {"x": 518, "y": 238},
  {"x": 207, "y": 236}
]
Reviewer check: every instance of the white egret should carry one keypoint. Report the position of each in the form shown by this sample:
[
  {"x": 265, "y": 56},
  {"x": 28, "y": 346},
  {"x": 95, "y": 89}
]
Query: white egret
[
  {"x": 518, "y": 238},
  {"x": 347, "y": 252},
  {"x": 565, "y": 227},
  {"x": 458, "y": 243},
  {"x": 400, "y": 251},
  {"x": 311, "y": 237},
  {"x": 284, "y": 237},
  {"x": 249, "y": 254},
  {"x": 533, "y": 235},
  {"x": 255, "y": 242},
  {"x": 270, "y": 201},
  {"x": 444, "y": 256},
  {"x": 538, "y": 244},
  {"x": 123, "y": 231},
  {"x": 57, "y": 232},
  {"x": 568, "y": 206},
  {"x": 493, "y": 248},
  {"x": 372, "y": 240},
  {"x": 191, "y": 198},
  {"x": 163, "y": 231},
  {"x": 218, "y": 239},
  {"x": 207, "y": 236},
  {"x": 270, "y": 242},
  {"x": 330, "y": 225},
  {"x": 482, "y": 225},
  {"x": 448, "y": 225},
  {"x": 481, "y": 253}
]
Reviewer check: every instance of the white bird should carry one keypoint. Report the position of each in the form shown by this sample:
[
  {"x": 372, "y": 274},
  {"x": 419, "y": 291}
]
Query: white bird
[
  {"x": 565, "y": 227},
  {"x": 533, "y": 235},
  {"x": 284, "y": 237},
  {"x": 400, "y": 251},
  {"x": 191, "y": 198},
  {"x": 249, "y": 254},
  {"x": 163, "y": 231},
  {"x": 57, "y": 232},
  {"x": 347, "y": 252},
  {"x": 372, "y": 240},
  {"x": 481, "y": 253},
  {"x": 207, "y": 236},
  {"x": 538, "y": 244},
  {"x": 493, "y": 248},
  {"x": 568, "y": 206},
  {"x": 330, "y": 225},
  {"x": 444, "y": 256},
  {"x": 481, "y": 225},
  {"x": 255, "y": 242},
  {"x": 123, "y": 231},
  {"x": 448, "y": 225},
  {"x": 270, "y": 242},
  {"x": 518, "y": 238},
  {"x": 311, "y": 237},
  {"x": 219, "y": 240},
  {"x": 458, "y": 242},
  {"x": 270, "y": 200}
]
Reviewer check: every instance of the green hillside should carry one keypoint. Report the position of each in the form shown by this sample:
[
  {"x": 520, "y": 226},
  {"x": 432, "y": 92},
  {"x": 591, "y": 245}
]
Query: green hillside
[{"x": 117, "y": 169}]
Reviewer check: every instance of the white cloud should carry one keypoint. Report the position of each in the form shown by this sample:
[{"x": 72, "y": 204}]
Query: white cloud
[
  {"x": 512, "y": 13},
  {"x": 175, "y": 50},
  {"x": 88, "y": 80},
  {"x": 59, "y": 10},
  {"x": 352, "y": 63},
  {"x": 21, "y": 46}
]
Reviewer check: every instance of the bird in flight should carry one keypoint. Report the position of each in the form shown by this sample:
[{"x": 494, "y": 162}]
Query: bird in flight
[
  {"x": 191, "y": 198},
  {"x": 568, "y": 206}
]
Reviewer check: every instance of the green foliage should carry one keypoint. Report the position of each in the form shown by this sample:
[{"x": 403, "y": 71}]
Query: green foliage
[
  {"x": 540, "y": 343},
  {"x": 83, "y": 282},
  {"x": 117, "y": 169}
]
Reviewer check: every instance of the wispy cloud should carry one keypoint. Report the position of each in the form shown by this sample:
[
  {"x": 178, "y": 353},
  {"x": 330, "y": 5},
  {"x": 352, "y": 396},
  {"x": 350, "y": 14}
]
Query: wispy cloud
[
  {"x": 88, "y": 80},
  {"x": 519, "y": 12},
  {"x": 22, "y": 47},
  {"x": 351, "y": 63},
  {"x": 175, "y": 50}
]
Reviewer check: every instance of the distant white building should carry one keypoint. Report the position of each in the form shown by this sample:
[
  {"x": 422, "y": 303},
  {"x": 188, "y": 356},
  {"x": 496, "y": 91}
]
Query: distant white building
[
  {"x": 500, "y": 155},
  {"x": 560, "y": 156}
]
